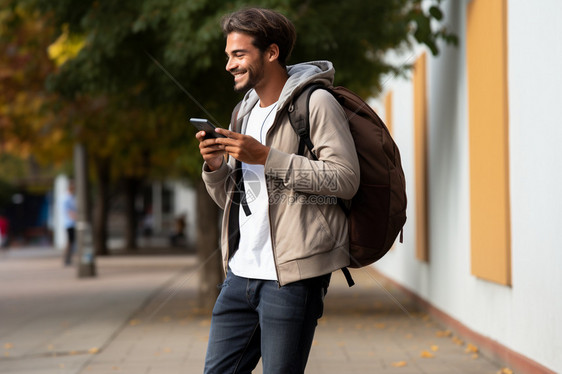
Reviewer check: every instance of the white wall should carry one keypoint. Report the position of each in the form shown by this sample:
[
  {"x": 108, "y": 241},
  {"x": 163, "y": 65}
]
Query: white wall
[
  {"x": 527, "y": 316},
  {"x": 535, "y": 113}
]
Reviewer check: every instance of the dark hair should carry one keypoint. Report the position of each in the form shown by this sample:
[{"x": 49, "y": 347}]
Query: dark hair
[{"x": 266, "y": 26}]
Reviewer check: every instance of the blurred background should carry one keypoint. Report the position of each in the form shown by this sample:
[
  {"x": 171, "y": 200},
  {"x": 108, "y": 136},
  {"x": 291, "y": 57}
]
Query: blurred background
[
  {"x": 121, "y": 81},
  {"x": 99, "y": 93}
]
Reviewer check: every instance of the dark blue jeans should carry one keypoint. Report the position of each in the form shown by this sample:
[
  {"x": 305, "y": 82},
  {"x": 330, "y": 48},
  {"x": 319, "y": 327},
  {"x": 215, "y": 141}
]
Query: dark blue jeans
[{"x": 257, "y": 318}]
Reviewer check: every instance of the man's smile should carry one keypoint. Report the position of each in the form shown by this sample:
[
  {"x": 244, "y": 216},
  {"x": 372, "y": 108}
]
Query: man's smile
[{"x": 238, "y": 74}]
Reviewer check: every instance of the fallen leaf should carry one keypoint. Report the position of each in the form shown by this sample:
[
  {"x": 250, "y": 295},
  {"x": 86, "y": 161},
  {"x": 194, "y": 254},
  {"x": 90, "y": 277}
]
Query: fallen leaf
[
  {"x": 166, "y": 319},
  {"x": 474, "y": 356},
  {"x": 205, "y": 323},
  {"x": 443, "y": 334},
  {"x": 93, "y": 350},
  {"x": 409, "y": 336},
  {"x": 380, "y": 325},
  {"x": 434, "y": 348},
  {"x": 399, "y": 364},
  {"x": 457, "y": 341},
  {"x": 470, "y": 348},
  {"x": 8, "y": 346},
  {"x": 134, "y": 322},
  {"x": 505, "y": 371},
  {"x": 426, "y": 354}
]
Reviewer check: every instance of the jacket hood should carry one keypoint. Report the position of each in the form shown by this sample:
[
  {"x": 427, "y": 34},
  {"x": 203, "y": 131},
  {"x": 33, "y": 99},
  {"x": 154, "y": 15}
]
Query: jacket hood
[{"x": 300, "y": 76}]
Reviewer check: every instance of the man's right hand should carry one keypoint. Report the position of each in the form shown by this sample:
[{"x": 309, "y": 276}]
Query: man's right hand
[{"x": 213, "y": 153}]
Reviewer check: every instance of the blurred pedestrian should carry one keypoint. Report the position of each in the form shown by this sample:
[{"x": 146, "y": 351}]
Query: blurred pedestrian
[
  {"x": 69, "y": 219},
  {"x": 177, "y": 239},
  {"x": 147, "y": 223},
  {"x": 4, "y": 230}
]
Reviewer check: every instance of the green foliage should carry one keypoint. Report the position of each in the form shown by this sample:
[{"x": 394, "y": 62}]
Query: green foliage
[
  {"x": 186, "y": 38},
  {"x": 121, "y": 102},
  {"x": 27, "y": 126}
]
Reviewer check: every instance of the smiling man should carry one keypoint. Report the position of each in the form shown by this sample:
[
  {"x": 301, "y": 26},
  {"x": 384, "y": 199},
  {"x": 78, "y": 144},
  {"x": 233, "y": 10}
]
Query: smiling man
[{"x": 280, "y": 249}]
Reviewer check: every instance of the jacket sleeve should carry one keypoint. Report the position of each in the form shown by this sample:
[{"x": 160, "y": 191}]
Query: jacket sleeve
[
  {"x": 217, "y": 182},
  {"x": 336, "y": 173}
]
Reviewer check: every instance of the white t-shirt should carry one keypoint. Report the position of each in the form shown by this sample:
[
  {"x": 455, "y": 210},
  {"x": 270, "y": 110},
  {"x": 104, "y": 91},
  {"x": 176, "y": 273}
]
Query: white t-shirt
[
  {"x": 68, "y": 206},
  {"x": 254, "y": 257}
]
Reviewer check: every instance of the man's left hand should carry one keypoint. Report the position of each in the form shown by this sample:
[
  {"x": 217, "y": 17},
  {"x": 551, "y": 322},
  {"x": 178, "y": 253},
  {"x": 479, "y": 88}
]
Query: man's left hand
[{"x": 244, "y": 148}]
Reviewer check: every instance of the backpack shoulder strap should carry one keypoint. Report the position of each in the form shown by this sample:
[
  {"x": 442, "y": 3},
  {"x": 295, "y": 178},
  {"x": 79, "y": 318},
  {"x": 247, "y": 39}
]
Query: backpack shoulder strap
[
  {"x": 238, "y": 165},
  {"x": 234, "y": 117},
  {"x": 299, "y": 118}
]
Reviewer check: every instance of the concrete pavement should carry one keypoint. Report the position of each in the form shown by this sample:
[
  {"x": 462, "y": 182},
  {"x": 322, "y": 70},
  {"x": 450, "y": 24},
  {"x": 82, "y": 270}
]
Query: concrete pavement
[{"x": 140, "y": 316}]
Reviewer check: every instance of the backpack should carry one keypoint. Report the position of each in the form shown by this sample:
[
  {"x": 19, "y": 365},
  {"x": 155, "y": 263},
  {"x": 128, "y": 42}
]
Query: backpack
[{"x": 378, "y": 209}]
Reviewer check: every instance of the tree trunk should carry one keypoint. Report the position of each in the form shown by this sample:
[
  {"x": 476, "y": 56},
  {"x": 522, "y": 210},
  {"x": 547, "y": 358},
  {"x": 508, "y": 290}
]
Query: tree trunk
[
  {"x": 208, "y": 248},
  {"x": 101, "y": 209},
  {"x": 131, "y": 219}
]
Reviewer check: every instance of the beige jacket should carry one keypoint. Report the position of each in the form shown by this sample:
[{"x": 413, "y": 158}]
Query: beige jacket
[{"x": 308, "y": 228}]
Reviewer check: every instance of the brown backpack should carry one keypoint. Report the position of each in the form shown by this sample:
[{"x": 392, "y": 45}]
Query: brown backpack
[{"x": 378, "y": 209}]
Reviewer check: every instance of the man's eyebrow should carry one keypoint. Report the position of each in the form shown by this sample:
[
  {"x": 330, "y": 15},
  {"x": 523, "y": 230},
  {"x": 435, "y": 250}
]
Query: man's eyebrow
[{"x": 236, "y": 51}]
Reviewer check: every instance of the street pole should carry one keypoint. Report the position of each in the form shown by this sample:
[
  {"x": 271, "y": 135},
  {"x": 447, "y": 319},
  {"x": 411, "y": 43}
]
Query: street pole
[{"x": 84, "y": 243}]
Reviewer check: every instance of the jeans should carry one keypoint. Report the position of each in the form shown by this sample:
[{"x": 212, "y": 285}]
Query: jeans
[
  {"x": 70, "y": 246},
  {"x": 257, "y": 318}
]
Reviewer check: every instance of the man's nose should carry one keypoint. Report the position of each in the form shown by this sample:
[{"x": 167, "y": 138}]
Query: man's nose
[{"x": 229, "y": 64}]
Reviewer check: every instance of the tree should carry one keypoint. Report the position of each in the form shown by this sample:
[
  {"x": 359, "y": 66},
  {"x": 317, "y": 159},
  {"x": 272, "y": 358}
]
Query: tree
[
  {"x": 141, "y": 57},
  {"x": 27, "y": 126}
]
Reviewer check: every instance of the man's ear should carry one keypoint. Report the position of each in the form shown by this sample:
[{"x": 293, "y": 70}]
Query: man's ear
[{"x": 272, "y": 52}]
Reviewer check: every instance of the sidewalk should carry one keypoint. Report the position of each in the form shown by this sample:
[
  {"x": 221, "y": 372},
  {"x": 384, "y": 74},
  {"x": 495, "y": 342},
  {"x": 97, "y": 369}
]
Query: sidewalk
[{"x": 139, "y": 316}]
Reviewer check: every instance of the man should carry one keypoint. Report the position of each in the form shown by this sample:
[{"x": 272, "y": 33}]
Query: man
[
  {"x": 283, "y": 232},
  {"x": 69, "y": 215}
]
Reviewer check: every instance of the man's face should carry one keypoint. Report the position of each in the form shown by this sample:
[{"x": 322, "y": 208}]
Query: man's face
[{"x": 245, "y": 61}]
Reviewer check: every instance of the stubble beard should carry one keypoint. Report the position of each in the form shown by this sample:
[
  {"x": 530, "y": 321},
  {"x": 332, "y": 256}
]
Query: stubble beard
[{"x": 254, "y": 76}]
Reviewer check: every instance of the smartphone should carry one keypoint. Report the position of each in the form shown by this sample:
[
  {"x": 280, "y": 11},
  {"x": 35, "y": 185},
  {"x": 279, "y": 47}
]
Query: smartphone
[{"x": 203, "y": 124}]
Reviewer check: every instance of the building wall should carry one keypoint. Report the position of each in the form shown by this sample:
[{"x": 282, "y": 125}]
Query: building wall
[{"x": 525, "y": 316}]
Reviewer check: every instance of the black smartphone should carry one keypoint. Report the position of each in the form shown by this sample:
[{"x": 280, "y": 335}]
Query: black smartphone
[{"x": 203, "y": 124}]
